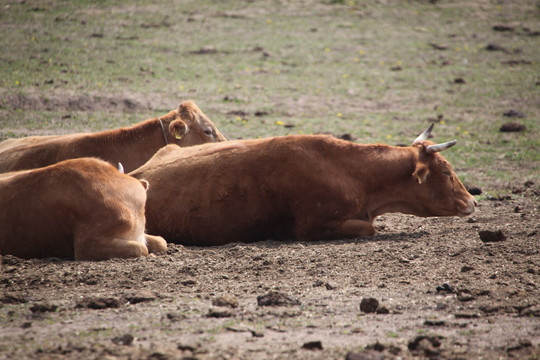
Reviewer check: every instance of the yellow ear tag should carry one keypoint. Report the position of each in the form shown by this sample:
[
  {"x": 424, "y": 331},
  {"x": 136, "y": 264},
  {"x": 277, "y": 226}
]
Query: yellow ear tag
[{"x": 177, "y": 134}]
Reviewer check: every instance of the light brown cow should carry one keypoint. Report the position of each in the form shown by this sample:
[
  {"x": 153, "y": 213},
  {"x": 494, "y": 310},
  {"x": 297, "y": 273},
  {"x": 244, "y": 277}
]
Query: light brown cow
[
  {"x": 81, "y": 208},
  {"x": 132, "y": 146},
  {"x": 308, "y": 187}
]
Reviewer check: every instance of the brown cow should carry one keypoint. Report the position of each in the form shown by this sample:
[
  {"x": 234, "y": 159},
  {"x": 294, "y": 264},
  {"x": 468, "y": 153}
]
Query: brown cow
[
  {"x": 311, "y": 187},
  {"x": 81, "y": 208},
  {"x": 132, "y": 146}
]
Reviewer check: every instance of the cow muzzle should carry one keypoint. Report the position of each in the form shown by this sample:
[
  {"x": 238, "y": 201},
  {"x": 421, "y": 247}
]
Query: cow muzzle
[{"x": 469, "y": 208}]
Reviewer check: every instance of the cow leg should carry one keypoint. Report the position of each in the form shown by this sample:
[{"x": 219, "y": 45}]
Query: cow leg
[
  {"x": 103, "y": 248},
  {"x": 353, "y": 228},
  {"x": 155, "y": 244}
]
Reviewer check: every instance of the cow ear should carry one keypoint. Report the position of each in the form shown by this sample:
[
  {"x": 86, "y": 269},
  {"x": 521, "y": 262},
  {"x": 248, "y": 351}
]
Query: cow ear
[
  {"x": 420, "y": 173},
  {"x": 178, "y": 128},
  {"x": 145, "y": 184}
]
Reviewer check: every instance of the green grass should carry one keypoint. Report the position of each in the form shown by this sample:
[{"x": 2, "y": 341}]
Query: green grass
[{"x": 341, "y": 66}]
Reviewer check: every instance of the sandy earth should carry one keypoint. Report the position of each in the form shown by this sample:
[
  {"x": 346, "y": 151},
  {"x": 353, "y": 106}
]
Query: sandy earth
[{"x": 442, "y": 292}]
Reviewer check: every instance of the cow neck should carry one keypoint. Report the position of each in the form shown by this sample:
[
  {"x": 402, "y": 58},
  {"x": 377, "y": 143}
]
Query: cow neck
[
  {"x": 135, "y": 133},
  {"x": 137, "y": 142},
  {"x": 384, "y": 173}
]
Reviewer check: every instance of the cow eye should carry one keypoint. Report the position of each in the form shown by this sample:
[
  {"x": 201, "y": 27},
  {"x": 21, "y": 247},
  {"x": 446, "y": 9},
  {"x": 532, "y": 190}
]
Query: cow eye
[{"x": 209, "y": 132}]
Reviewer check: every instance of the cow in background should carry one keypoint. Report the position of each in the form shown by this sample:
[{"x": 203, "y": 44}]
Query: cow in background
[
  {"x": 308, "y": 187},
  {"x": 81, "y": 208},
  {"x": 132, "y": 146}
]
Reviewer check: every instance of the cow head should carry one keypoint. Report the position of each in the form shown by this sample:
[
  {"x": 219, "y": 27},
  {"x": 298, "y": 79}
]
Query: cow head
[
  {"x": 437, "y": 188},
  {"x": 192, "y": 127}
]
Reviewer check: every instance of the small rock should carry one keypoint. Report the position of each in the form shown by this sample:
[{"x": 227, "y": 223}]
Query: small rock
[
  {"x": 126, "y": 339},
  {"x": 377, "y": 347},
  {"x": 26, "y": 325},
  {"x": 41, "y": 308},
  {"x": 219, "y": 313},
  {"x": 369, "y": 305},
  {"x": 175, "y": 317},
  {"x": 313, "y": 345},
  {"x": 446, "y": 288},
  {"x": 347, "y": 137},
  {"x": 466, "y": 268},
  {"x": 188, "y": 282},
  {"x": 382, "y": 310},
  {"x": 465, "y": 297},
  {"x": 329, "y": 286},
  {"x": 256, "y": 333},
  {"x": 466, "y": 315},
  {"x": 275, "y": 298},
  {"x": 503, "y": 28},
  {"x": 441, "y": 306},
  {"x": 100, "y": 303},
  {"x": 141, "y": 296},
  {"x": 492, "y": 236},
  {"x": 512, "y": 127},
  {"x": 495, "y": 47},
  {"x": 434, "y": 322},
  {"x": 459, "y": 81},
  {"x": 226, "y": 300},
  {"x": 188, "y": 347},
  {"x": 438, "y": 46},
  {"x": 513, "y": 114},
  {"x": 428, "y": 345}
]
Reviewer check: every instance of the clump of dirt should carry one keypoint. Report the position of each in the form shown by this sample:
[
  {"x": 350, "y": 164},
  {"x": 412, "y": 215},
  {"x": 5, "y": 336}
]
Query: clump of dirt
[{"x": 512, "y": 127}]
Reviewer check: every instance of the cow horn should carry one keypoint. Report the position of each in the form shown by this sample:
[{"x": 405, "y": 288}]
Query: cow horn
[
  {"x": 121, "y": 167},
  {"x": 440, "y": 147},
  {"x": 424, "y": 136}
]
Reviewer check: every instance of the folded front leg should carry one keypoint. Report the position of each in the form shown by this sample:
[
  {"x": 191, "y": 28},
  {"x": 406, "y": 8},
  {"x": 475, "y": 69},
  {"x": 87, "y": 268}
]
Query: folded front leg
[
  {"x": 103, "y": 248},
  {"x": 155, "y": 244}
]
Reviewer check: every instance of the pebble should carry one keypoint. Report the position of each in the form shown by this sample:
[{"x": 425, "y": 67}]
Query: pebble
[
  {"x": 369, "y": 305},
  {"x": 126, "y": 339},
  {"x": 275, "y": 298},
  {"x": 226, "y": 300},
  {"x": 219, "y": 313},
  {"x": 445, "y": 288},
  {"x": 41, "y": 308},
  {"x": 313, "y": 345},
  {"x": 100, "y": 303},
  {"x": 141, "y": 296},
  {"x": 428, "y": 345}
]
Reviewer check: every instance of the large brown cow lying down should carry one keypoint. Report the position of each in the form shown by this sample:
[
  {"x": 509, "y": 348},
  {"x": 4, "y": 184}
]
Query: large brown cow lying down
[
  {"x": 308, "y": 187},
  {"x": 82, "y": 208},
  {"x": 131, "y": 146}
]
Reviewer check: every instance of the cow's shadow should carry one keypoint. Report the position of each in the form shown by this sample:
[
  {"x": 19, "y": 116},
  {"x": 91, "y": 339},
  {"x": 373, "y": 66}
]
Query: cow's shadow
[{"x": 273, "y": 243}]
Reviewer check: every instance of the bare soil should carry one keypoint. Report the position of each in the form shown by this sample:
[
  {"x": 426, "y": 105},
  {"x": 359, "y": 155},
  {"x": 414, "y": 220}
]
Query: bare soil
[{"x": 438, "y": 290}]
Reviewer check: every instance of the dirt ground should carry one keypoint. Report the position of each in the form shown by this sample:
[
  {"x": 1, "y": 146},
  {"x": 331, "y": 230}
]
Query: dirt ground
[{"x": 440, "y": 289}]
